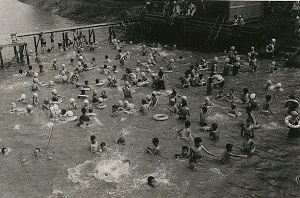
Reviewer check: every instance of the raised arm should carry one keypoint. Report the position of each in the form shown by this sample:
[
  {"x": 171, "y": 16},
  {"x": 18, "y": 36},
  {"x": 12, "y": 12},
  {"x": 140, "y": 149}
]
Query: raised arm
[{"x": 206, "y": 151}]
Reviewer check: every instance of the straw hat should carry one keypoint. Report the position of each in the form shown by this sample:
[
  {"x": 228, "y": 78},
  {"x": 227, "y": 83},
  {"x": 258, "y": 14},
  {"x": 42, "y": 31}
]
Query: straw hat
[{"x": 252, "y": 96}]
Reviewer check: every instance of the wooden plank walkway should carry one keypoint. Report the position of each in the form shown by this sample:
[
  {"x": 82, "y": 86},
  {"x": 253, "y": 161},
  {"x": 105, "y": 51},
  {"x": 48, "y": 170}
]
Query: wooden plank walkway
[
  {"x": 92, "y": 26},
  {"x": 8, "y": 42}
]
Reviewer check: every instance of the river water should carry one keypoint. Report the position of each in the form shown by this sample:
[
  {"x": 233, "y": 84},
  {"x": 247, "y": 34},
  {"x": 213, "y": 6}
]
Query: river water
[{"x": 74, "y": 172}]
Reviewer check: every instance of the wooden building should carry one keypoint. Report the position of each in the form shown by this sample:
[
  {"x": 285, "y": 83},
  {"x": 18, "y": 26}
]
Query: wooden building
[{"x": 212, "y": 20}]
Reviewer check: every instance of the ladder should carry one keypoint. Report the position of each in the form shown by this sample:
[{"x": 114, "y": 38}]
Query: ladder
[{"x": 213, "y": 35}]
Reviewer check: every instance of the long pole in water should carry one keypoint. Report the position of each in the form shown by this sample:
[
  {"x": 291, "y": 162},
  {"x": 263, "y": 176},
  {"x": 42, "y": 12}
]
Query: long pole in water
[{"x": 50, "y": 134}]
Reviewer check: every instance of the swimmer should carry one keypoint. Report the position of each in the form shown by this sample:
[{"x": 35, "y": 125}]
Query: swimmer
[
  {"x": 128, "y": 106},
  {"x": 253, "y": 104},
  {"x": 127, "y": 91},
  {"x": 248, "y": 146},
  {"x": 196, "y": 152},
  {"x": 4, "y": 151},
  {"x": 230, "y": 97},
  {"x": 41, "y": 69},
  {"x": 35, "y": 85},
  {"x": 29, "y": 109},
  {"x": 36, "y": 152},
  {"x": 209, "y": 86},
  {"x": 155, "y": 150},
  {"x": 185, "y": 132},
  {"x": 203, "y": 117},
  {"x": 103, "y": 147},
  {"x": 184, "y": 153},
  {"x": 233, "y": 112},
  {"x": 121, "y": 141},
  {"x": 35, "y": 99},
  {"x": 247, "y": 130},
  {"x": 83, "y": 118},
  {"x": 214, "y": 132},
  {"x": 94, "y": 144},
  {"x": 183, "y": 111},
  {"x": 245, "y": 96},
  {"x": 152, "y": 181},
  {"x": 144, "y": 108},
  {"x": 13, "y": 107},
  {"x": 225, "y": 158},
  {"x": 72, "y": 105},
  {"x": 154, "y": 100},
  {"x": 55, "y": 65},
  {"x": 174, "y": 108},
  {"x": 207, "y": 102},
  {"x": 267, "y": 104},
  {"x": 30, "y": 72}
]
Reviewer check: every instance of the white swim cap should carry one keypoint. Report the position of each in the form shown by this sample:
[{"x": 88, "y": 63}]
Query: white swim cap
[
  {"x": 29, "y": 106},
  {"x": 23, "y": 96},
  {"x": 238, "y": 58},
  {"x": 137, "y": 70},
  {"x": 120, "y": 103},
  {"x": 35, "y": 95},
  {"x": 70, "y": 113},
  {"x": 55, "y": 107},
  {"x": 86, "y": 102},
  {"x": 126, "y": 102},
  {"x": 36, "y": 74},
  {"x": 54, "y": 91},
  {"x": 79, "y": 63},
  {"x": 143, "y": 74},
  {"x": 51, "y": 82},
  {"x": 72, "y": 100},
  {"x": 63, "y": 65},
  {"x": 273, "y": 40},
  {"x": 252, "y": 96},
  {"x": 172, "y": 60},
  {"x": 148, "y": 97},
  {"x": 63, "y": 73},
  {"x": 101, "y": 100},
  {"x": 184, "y": 98}
]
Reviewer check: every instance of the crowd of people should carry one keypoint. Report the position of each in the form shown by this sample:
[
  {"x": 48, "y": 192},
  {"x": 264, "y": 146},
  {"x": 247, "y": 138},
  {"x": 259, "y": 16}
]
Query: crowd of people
[{"x": 153, "y": 70}]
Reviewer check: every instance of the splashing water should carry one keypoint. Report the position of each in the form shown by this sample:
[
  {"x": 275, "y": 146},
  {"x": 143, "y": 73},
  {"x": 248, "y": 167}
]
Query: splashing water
[
  {"x": 272, "y": 125},
  {"x": 218, "y": 118}
]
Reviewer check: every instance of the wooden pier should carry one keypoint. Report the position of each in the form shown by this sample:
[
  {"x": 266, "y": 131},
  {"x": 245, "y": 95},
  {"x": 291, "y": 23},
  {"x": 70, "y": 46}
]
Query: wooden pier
[{"x": 37, "y": 36}]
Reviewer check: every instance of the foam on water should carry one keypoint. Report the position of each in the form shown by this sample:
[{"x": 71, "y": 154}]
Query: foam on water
[
  {"x": 217, "y": 171},
  {"x": 218, "y": 118},
  {"x": 77, "y": 176},
  {"x": 272, "y": 125}
]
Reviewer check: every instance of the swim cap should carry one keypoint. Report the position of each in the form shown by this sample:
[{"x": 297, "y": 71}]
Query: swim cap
[
  {"x": 72, "y": 100},
  {"x": 54, "y": 60},
  {"x": 54, "y": 91},
  {"x": 13, "y": 104},
  {"x": 126, "y": 83},
  {"x": 86, "y": 102},
  {"x": 29, "y": 106},
  {"x": 137, "y": 70},
  {"x": 63, "y": 65},
  {"x": 172, "y": 100},
  {"x": 154, "y": 93},
  {"x": 80, "y": 57},
  {"x": 70, "y": 113},
  {"x": 252, "y": 96},
  {"x": 143, "y": 74},
  {"x": 101, "y": 100},
  {"x": 269, "y": 82},
  {"x": 79, "y": 63},
  {"x": 63, "y": 73},
  {"x": 273, "y": 40},
  {"x": 273, "y": 63},
  {"x": 148, "y": 97},
  {"x": 35, "y": 80},
  {"x": 216, "y": 59},
  {"x": 50, "y": 82},
  {"x": 35, "y": 95},
  {"x": 294, "y": 113},
  {"x": 36, "y": 74},
  {"x": 238, "y": 58},
  {"x": 172, "y": 60},
  {"x": 278, "y": 85},
  {"x": 55, "y": 107},
  {"x": 120, "y": 103},
  {"x": 23, "y": 96},
  {"x": 184, "y": 98},
  {"x": 126, "y": 102},
  {"x": 227, "y": 60}
]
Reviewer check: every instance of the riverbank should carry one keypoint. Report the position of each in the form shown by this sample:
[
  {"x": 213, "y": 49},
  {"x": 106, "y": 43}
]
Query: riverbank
[{"x": 90, "y": 10}]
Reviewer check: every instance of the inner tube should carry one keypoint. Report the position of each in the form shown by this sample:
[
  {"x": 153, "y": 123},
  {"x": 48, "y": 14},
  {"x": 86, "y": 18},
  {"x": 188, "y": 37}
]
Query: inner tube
[
  {"x": 160, "y": 117},
  {"x": 139, "y": 84},
  {"x": 82, "y": 96},
  {"x": 86, "y": 89},
  {"x": 101, "y": 106},
  {"x": 60, "y": 100},
  {"x": 287, "y": 122},
  {"x": 91, "y": 114}
]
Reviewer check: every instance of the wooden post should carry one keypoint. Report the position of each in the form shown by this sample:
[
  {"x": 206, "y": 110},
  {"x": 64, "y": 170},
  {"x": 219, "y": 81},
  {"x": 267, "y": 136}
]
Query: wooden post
[
  {"x": 1, "y": 58},
  {"x": 16, "y": 53},
  {"x": 89, "y": 36},
  {"x": 114, "y": 32},
  {"x": 94, "y": 37},
  {"x": 27, "y": 56},
  {"x": 35, "y": 44},
  {"x": 110, "y": 34},
  {"x": 63, "y": 41},
  {"x": 21, "y": 52}
]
